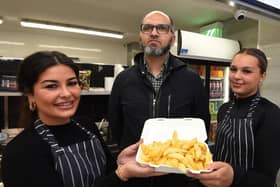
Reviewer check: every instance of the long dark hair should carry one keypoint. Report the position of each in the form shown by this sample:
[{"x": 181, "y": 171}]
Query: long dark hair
[{"x": 29, "y": 71}]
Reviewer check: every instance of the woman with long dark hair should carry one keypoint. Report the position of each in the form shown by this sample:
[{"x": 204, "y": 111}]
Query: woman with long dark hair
[{"x": 55, "y": 149}]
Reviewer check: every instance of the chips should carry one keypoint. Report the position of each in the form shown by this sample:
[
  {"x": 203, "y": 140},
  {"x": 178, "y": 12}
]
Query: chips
[{"x": 181, "y": 154}]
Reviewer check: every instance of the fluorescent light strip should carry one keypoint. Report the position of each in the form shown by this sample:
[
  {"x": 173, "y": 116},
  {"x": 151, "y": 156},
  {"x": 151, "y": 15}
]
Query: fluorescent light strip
[
  {"x": 88, "y": 57},
  {"x": 11, "y": 43},
  {"x": 71, "y": 48},
  {"x": 70, "y": 29},
  {"x": 10, "y": 58}
]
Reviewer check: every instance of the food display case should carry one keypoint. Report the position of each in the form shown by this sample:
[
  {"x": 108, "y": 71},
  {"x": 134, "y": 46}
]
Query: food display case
[
  {"x": 210, "y": 57},
  {"x": 216, "y": 82}
]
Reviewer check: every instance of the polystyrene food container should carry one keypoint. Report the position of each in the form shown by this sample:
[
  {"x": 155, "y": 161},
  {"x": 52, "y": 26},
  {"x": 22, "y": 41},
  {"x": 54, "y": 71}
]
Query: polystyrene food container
[{"x": 161, "y": 129}]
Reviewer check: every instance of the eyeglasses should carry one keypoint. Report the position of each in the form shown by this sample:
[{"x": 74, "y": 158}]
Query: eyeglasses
[{"x": 161, "y": 28}]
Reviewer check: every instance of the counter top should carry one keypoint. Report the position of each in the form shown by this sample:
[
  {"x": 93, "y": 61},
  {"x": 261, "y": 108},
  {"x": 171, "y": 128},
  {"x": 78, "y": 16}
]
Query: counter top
[
  {"x": 96, "y": 91},
  {"x": 91, "y": 91},
  {"x": 6, "y": 93}
]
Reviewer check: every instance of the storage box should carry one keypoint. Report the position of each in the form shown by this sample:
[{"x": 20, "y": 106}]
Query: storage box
[{"x": 161, "y": 129}]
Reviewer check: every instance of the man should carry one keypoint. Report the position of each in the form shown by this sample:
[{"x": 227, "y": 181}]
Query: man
[{"x": 158, "y": 85}]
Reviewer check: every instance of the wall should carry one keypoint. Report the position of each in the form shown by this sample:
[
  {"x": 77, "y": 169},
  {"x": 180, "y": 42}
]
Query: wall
[
  {"x": 270, "y": 44},
  {"x": 246, "y": 31},
  {"x": 87, "y": 48},
  {"x": 271, "y": 86},
  {"x": 260, "y": 32}
]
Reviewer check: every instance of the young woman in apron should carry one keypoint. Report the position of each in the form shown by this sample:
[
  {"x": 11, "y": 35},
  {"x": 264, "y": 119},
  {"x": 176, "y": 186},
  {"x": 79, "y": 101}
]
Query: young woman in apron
[
  {"x": 246, "y": 148},
  {"x": 55, "y": 149}
]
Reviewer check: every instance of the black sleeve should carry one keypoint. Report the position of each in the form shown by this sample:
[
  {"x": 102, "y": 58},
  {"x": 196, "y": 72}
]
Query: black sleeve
[
  {"x": 201, "y": 103},
  {"x": 25, "y": 166},
  {"x": 252, "y": 178},
  {"x": 115, "y": 110},
  {"x": 110, "y": 180}
]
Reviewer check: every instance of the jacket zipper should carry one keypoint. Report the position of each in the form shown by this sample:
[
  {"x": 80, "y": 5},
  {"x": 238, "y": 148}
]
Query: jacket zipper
[
  {"x": 154, "y": 106},
  {"x": 156, "y": 99},
  {"x": 169, "y": 105}
]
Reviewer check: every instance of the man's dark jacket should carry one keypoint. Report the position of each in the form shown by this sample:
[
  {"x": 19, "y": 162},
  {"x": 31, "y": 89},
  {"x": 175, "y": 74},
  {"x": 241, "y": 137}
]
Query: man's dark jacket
[{"x": 133, "y": 101}]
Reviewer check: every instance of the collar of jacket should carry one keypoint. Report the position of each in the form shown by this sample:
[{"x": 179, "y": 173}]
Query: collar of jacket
[{"x": 173, "y": 62}]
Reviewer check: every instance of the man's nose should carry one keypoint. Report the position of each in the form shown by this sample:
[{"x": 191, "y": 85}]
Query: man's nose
[{"x": 154, "y": 31}]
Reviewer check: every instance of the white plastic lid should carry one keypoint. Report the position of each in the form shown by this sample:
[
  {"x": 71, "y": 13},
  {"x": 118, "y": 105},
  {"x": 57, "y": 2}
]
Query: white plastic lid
[{"x": 161, "y": 129}]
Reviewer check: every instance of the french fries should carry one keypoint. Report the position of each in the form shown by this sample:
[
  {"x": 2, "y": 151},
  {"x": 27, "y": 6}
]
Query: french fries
[{"x": 181, "y": 154}]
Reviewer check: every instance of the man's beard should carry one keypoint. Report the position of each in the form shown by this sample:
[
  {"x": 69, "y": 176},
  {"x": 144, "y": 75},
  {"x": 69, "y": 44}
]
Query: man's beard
[{"x": 156, "y": 51}]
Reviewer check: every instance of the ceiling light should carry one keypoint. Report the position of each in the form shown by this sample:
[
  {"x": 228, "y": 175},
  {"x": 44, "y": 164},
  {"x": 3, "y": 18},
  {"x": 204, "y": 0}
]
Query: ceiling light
[
  {"x": 68, "y": 28},
  {"x": 231, "y": 3},
  {"x": 11, "y": 43},
  {"x": 71, "y": 48},
  {"x": 1, "y": 21},
  {"x": 88, "y": 57}
]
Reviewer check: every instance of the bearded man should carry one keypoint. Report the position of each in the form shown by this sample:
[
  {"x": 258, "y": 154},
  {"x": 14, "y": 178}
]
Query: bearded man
[{"x": 158, "y": 85}]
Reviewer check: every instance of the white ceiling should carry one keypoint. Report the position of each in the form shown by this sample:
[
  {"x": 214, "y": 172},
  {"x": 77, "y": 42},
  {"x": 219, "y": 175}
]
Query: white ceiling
[{"x": 117, "y": 15}]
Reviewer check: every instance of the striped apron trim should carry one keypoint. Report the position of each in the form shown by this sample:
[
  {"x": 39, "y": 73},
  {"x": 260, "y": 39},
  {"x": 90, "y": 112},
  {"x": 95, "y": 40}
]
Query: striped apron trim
[
  {"x": 77, "y": 164},
  {"x": 235, "y": 139}
]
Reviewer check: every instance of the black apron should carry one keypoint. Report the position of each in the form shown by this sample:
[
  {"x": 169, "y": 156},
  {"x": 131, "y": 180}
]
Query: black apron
[
  {"x": 77, "y": 164},
  {"x": 235, "y": 138}
]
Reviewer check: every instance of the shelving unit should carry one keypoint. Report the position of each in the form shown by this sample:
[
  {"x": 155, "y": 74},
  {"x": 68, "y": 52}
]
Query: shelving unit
[
  {"x": 6, "y": 95},
  {"x": 96, "y": 91},
  {"x": 214, "y": 75},
  {"x": 219, "y": 94}
]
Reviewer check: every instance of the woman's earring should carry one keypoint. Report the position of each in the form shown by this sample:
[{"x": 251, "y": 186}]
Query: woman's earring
[{"x": 32, "y": 106}]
